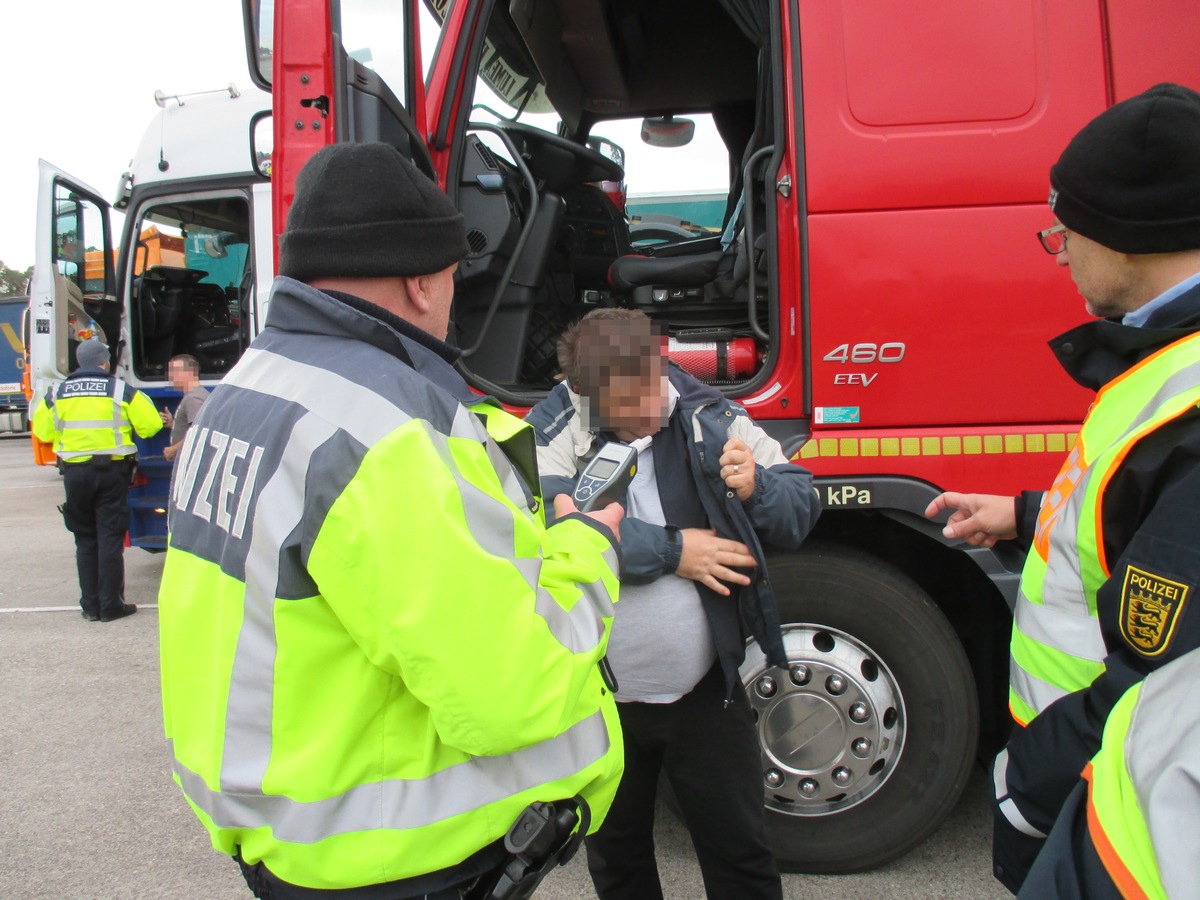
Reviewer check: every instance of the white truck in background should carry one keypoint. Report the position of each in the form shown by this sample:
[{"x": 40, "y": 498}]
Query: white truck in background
[{"x": 185, "y": 276}]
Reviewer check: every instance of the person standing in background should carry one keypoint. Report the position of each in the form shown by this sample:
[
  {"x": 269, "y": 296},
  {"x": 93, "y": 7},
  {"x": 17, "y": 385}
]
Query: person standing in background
[
  {"x": 184, "y": 373},
  {"x": 90, "y": 418}
]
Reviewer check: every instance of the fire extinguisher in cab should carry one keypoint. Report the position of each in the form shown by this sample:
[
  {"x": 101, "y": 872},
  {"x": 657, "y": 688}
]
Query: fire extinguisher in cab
[{"x": 716, "y": 360}]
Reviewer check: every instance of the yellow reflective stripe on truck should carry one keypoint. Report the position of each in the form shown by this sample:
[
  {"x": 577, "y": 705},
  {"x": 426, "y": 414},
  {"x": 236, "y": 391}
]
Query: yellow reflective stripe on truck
[{"x": 939, "y": 445}]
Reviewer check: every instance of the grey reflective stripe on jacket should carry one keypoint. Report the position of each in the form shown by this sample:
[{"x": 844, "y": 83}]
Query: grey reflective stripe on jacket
[
  {"x": 1006, "y": 804},
  {"x": 1162, "y": 757},
  {"x": 399, "y": 803},
  {"x": 325, "y": 407}
]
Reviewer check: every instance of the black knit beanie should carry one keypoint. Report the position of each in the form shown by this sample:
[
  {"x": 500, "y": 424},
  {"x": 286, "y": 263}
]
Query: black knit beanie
[
  {"x": 1130, "y": 180},
  {"x": 364, "y": 211}
]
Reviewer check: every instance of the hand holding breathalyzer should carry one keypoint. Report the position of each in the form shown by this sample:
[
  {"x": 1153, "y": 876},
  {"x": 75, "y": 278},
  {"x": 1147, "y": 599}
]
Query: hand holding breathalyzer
[{"x": 610, "y": 516}]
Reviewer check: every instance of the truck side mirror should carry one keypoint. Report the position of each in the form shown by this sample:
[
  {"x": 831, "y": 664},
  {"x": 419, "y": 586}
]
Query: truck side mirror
[
  {"x": 259, "y": 21},
  {"x": 262, "y": 142}
]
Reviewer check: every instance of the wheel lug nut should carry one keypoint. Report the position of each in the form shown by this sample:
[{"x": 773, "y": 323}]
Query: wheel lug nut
[
  {"x": 766, "y": 686},
  {"x": 861, "y": 748},
  {"x": 808, "y": 787},
  {"x": 842, "y": 776},
  {"x": 835, "y": 684},
  {"x": 859, "y": 712},
  {"x": 774, "y": 778},
  {"x": 800, "y": 674}
]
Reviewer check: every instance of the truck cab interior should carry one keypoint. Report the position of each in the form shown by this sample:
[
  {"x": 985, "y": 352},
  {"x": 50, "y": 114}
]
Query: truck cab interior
[
  {"x": 542, "y": 185},
  {"x": 192, "y": 285}
]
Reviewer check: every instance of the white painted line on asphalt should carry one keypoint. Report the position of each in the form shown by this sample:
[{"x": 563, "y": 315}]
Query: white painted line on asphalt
[{"x": 32, "y": 609}]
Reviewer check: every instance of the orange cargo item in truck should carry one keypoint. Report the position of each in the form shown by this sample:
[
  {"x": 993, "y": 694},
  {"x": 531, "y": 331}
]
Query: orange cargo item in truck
[{"x": 153, "y": 249}]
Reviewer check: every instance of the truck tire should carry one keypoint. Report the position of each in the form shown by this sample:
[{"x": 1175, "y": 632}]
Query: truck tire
[{"x": 869, "y": 735}]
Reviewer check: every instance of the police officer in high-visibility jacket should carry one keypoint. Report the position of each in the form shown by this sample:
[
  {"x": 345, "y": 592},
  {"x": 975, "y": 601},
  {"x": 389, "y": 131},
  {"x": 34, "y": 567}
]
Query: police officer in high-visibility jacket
[
  {"x": 375, "y": 654},
  {"x": 1108, "y": 590},
  {"x": 1131, "y": 827},
  {"x": 90, "y": 418}
]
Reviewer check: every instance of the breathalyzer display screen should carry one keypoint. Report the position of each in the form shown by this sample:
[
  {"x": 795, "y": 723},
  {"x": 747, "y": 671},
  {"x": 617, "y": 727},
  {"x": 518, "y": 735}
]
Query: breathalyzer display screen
[{"x": 602, "y": 468}]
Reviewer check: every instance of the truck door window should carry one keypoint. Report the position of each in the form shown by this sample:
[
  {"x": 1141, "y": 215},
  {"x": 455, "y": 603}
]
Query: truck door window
[
  {"x": 192, "y": 285},
  {"x": 84, "y": 304},
  {"x": 372, "y": 32}
]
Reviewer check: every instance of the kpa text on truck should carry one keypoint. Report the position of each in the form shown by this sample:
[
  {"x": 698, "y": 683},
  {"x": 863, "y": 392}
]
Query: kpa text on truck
[{"x": 846, "y": 494}]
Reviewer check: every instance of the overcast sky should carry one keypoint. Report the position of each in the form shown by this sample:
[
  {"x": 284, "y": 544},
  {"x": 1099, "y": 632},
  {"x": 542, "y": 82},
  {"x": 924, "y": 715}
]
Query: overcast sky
[{"x": 79, "y": 78}]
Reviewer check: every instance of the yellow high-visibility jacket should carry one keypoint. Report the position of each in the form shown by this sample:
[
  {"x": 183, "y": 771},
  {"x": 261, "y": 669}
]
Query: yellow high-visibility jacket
[
  {"x": 374, "y": 653},
  {"x": 1057, "y": 644},
  {"x": 94, "y": 414}
]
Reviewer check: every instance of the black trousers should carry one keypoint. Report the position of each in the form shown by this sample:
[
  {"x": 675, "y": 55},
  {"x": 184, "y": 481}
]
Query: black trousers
[
  {"x": 710, "y": 754},
  {"x": 97, "y": 513}
]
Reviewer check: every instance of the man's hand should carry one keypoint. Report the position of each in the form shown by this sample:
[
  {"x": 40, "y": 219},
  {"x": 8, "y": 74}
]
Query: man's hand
[
  {"x": 707, "y": 558},
  {"x": 737, "y": 468},
  {"x": 610, "y": 516},
  {"x": 168, "y": 419},
  {"x": 170, "y": 452},
  {"x": 979, "y": 519}
]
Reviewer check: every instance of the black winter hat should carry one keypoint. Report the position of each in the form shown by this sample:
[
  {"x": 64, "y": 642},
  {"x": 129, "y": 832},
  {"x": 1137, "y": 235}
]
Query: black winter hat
[
  {"x": 1130, "y": 180},
  {"x": 364, "y": 211}
]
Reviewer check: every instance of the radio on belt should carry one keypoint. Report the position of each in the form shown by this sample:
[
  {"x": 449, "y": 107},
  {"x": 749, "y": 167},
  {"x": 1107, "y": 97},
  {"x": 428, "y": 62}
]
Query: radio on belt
[{"x": 606, "y": 477}]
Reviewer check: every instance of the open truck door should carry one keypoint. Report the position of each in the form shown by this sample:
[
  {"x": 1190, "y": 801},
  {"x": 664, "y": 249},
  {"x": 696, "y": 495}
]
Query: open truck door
[
  {"x": 72, "y": 296},
  {"x": 332, "y": 81}
]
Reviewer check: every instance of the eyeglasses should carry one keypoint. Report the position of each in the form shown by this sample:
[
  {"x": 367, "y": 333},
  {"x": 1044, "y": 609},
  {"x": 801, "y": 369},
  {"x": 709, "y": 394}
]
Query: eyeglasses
[{"x": 1054, "y": 240}]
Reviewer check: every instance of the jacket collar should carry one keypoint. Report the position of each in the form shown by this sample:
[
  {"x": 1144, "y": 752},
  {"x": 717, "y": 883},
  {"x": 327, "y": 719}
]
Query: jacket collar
[
  {"x": 299, "y": 308},
  {"x": 1097, "y": 352},
  {"x": 582, "y": 438}
]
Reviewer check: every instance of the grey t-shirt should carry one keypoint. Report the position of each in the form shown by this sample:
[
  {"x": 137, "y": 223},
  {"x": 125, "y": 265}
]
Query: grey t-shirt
[
  {"x": 185, "y": 415},
  {"x": 661, "y": 644}
]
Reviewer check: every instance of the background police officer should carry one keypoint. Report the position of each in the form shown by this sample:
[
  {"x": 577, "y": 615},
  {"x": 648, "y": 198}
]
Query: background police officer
[
  {"x": 91, "y": 418},
  {"x": 1109, "y": 585}
]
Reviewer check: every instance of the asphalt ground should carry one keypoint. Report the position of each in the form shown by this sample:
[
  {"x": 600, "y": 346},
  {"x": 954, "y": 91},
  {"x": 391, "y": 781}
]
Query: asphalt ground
[{"x": 87, "y": 805}]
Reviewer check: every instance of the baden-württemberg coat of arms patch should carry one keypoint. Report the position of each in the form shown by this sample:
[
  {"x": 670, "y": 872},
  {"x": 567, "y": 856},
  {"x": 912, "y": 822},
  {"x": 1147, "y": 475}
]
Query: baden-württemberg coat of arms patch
[{"x": 1150, "y": 607}]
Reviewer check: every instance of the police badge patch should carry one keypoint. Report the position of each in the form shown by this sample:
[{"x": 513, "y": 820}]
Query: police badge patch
[{"x": 1150, "y": 607}]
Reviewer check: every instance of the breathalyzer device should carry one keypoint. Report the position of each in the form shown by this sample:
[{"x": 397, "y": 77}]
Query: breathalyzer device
[{"x": 606, "y": 477}]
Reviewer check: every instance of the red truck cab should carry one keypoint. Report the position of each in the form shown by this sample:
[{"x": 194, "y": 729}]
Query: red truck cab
[{"x": 876, "y": 297}]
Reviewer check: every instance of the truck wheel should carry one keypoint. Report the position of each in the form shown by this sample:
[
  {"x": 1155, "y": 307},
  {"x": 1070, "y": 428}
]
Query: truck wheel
[{"x": 868, "y": 736}]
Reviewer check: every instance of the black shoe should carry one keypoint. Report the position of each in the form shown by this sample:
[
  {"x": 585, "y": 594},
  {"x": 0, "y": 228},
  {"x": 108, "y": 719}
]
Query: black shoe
[
  {"x": 127, "y": 609},
  {"x": 91, "y": 617}
]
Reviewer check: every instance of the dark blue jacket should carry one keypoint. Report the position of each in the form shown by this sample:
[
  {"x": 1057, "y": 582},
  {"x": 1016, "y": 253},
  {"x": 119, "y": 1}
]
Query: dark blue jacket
[{"x": 779, "y": 514}]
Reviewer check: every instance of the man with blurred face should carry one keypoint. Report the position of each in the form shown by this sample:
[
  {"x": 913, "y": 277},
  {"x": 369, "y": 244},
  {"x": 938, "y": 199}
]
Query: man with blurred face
[
  {"x": 711, "y": 490},
  {"x": 183, "y": 371}
]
